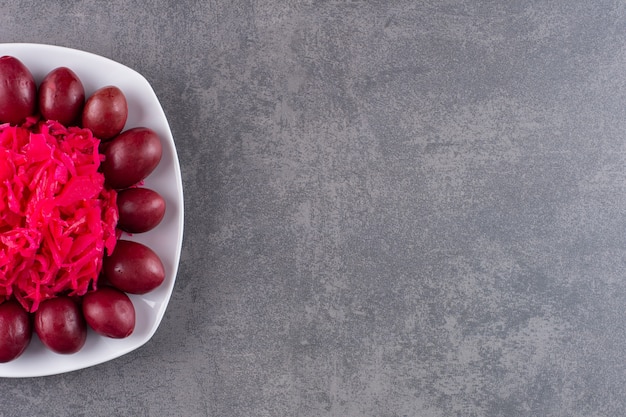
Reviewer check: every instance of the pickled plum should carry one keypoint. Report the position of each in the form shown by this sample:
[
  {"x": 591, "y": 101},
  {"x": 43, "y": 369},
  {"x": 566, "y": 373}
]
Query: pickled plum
[
  {"x": 60, "y": 325},
  {"x": 133, "y": 268},
  {"x": 15, "y": 330},
  {"x": 140, "y": 209},
  {"x": 131, "y": 157},
  {"x": 18, "y": 91},
  {"x": 105, "y": 112},
  {"x": 109, "y": 312},
  {"x": 61, "y": 96}
]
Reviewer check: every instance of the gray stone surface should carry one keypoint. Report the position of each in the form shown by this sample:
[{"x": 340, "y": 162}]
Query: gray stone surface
[{"x": 405, "y": 208}]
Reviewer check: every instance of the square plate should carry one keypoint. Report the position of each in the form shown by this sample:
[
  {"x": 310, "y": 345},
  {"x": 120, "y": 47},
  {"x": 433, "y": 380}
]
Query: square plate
[{"x": 144, "y": 110}]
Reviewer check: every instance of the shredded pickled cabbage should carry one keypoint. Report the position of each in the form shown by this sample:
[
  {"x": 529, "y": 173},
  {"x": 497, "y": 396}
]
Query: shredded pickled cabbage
[{"x": 57, "y": 218}]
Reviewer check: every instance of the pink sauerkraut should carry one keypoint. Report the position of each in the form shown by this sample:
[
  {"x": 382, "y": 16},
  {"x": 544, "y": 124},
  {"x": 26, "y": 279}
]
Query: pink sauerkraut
[{"x": 57, "y": 218}]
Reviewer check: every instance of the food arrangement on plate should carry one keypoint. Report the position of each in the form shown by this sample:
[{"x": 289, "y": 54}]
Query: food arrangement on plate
[{"x": 73, "y": 198}]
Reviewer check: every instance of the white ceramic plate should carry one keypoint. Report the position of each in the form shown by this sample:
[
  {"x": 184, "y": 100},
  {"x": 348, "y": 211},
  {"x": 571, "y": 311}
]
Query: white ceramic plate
[{"x": 144, "y": 109}]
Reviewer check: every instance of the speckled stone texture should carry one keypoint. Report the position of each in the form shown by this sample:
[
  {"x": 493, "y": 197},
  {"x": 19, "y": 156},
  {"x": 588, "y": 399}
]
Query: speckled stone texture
[{"x": 404, "y": 208}]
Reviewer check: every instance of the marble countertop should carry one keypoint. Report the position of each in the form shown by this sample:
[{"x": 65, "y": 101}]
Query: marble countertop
[{"x": 392, "y": 208}]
